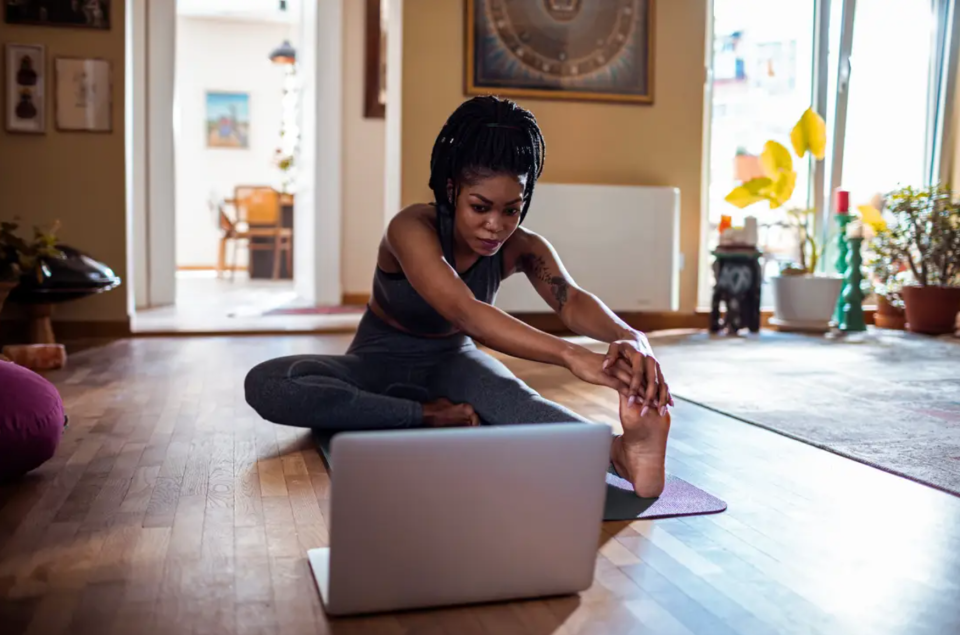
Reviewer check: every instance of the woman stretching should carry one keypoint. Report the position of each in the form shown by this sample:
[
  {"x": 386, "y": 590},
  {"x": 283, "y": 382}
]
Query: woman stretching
[{"x": 413, "y": 361}]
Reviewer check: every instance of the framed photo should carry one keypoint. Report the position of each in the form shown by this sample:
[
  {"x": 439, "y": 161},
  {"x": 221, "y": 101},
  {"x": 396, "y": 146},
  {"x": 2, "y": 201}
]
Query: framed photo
[
  {"x": 375, "y": 60},
  {"x": 84, "y": 95},
  {"x": 87, "y": 14},
  {"x": 561, "y": 49},
  {"x": 228, "y": 120},
  {"x": 26, "y": 80}
]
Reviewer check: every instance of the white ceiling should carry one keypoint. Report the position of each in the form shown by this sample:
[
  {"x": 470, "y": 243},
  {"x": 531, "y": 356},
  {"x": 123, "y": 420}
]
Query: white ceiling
[{"x": 252, "y": 10}]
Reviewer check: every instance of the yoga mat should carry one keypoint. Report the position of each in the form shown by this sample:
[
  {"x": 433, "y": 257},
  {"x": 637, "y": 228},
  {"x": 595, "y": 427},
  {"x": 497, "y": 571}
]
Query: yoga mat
[{"x": 679, "y": 498}]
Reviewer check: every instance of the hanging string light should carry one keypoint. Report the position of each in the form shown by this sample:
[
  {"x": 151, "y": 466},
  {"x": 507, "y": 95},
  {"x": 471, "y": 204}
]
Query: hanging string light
[{"x": 286, "y": 154}]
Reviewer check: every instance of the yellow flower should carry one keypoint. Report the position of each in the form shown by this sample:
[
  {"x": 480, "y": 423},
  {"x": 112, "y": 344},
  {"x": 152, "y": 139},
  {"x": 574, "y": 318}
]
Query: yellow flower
[{"x": 871, "y": 216}]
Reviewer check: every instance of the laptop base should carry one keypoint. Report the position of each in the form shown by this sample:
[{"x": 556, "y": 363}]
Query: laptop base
[{"x": 320, "y": 566}]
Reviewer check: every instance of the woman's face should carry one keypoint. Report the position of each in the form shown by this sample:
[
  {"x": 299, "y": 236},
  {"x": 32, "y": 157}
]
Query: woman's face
[{"x": 488, "y": 212}]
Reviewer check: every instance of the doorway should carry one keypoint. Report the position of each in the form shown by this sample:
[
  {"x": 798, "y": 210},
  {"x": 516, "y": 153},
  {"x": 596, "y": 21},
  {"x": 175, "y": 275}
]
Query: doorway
[{"x": 228, "y": 131}]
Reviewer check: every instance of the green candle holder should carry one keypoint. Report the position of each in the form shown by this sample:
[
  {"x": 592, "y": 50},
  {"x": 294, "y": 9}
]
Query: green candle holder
[
  {"x": 851, "y": 318},
  {"x": 843, "y": 249}
]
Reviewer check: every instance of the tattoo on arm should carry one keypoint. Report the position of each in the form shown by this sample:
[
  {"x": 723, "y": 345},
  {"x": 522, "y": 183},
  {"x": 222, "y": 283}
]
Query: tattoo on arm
[{"x": 532, "y": 264}]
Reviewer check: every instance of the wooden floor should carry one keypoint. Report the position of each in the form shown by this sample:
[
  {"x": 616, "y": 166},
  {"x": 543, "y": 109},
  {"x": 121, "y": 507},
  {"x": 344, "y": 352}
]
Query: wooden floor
[{"x": 171, "y": 508}]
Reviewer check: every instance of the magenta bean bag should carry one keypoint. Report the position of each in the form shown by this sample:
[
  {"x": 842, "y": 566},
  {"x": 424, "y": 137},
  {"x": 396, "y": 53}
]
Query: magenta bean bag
[{"x": 31, "y": 420}]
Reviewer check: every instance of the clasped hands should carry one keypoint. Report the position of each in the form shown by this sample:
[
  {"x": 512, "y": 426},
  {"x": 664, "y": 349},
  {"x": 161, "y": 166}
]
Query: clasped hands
[{"x": 630, "y": 368}]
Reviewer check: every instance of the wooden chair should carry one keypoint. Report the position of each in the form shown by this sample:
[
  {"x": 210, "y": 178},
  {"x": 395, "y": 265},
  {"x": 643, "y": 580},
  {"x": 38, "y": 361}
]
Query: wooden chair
[{"x": 258, "y": 215}]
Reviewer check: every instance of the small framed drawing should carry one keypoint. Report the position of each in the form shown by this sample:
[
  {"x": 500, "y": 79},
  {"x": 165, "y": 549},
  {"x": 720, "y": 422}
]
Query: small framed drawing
[
  {"x": 26, "y": 80},
  {"x": 228, "y": 120},
  {"x": 83, "y": 96}
]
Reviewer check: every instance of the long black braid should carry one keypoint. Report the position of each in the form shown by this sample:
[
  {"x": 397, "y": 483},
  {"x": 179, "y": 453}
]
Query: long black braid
[{"x": 485, "y": 135}]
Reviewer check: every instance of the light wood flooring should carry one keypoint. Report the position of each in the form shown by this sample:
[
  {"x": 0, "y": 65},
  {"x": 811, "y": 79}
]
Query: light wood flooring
[
  {"x": 206, "y": 304},
  {"x": 171, "y": 508}
]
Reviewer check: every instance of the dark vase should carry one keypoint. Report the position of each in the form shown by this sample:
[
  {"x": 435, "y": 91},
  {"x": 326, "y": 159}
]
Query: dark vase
[
  {"x": 75, "y": 275},
  {"x": 5, "y": 289}
]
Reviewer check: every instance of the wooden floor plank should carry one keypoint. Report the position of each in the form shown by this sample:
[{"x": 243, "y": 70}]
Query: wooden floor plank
[{"x": 171, "y": 507}]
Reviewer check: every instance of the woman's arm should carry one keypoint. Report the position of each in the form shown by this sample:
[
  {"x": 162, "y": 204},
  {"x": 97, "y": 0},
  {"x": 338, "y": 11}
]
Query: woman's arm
[
  {"x": 581, "y": 311},
  {"x": 585, "y": 314},
  {"x": 413, "y": 241}
]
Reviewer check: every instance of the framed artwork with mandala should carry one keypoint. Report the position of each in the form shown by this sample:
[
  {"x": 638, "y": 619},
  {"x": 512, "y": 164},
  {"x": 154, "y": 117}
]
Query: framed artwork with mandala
[{"x": 561, "y": 49}]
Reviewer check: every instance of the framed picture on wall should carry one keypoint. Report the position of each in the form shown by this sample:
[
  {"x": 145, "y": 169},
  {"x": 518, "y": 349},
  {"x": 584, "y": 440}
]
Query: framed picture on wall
[
  {"x": 228, "y": 120},
  {"x": 375, "y": 60},
  {"x": 561, "y": 49},
  {"x": 88, "y": 14},
  {"x": 83, "y": 95},
  {"x": 26, "y": 80}
]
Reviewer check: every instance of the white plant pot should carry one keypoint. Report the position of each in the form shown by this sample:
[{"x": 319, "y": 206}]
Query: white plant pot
[{"x": 805, "y": 303}]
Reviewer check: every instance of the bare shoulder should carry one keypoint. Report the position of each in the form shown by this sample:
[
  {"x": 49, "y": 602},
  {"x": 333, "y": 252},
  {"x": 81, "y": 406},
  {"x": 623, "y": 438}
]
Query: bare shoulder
[
  {"x": 413, "y": 225},
  {"x": 521, "y": 245},
  {"x": 416, "y": 214}
]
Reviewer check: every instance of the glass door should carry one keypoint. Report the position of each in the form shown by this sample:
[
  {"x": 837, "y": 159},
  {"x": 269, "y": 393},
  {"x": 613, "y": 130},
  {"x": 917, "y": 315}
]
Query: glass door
[{"x": 762, "y": 80}]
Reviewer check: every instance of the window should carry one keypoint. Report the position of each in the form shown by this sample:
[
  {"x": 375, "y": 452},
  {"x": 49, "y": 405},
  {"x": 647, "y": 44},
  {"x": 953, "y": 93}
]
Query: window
[
  {"x": 885, "y": 143},
  {"x": 765, "y": 69}
]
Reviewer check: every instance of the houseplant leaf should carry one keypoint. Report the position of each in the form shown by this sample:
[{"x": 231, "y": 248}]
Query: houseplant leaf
[
  {"x": 753, "y": 191},
  {"x": 782, "y": 189},
  {"x": 810, "y": 133},
  {"x": 775, "y": 159}
]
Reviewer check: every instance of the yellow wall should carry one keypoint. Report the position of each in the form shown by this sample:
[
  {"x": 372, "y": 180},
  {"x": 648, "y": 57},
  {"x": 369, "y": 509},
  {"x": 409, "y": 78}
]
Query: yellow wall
[
  {"x": 586, "y": 142},
  {"x": 363, "y": 163},
  {"x": 74, "y": 177}
]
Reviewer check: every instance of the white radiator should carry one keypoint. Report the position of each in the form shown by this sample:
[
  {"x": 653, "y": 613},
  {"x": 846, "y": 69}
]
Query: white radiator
[{"x": 622, "y": 243}]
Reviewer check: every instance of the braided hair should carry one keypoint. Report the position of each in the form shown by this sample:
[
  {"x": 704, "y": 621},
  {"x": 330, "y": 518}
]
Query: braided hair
[{"x": 485, "y": 135}]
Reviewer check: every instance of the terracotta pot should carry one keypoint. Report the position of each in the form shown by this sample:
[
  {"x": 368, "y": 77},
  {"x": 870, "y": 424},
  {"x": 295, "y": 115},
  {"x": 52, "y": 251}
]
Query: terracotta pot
[
  {"x": 931, "y": 310},
  {"x": 888, "y": 316}
]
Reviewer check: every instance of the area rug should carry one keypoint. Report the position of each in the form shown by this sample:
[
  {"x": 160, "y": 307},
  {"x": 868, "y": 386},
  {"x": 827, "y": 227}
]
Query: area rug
[{"x": 889, "y": 399}]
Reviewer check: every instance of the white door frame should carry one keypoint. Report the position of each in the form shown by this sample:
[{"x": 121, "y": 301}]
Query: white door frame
[
  {"x": 151, "y": 184},
  {"x": 318, "y": 210}
]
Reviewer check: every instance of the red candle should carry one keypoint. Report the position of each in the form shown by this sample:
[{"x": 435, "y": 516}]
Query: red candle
[{"x": 843, "y": 202}]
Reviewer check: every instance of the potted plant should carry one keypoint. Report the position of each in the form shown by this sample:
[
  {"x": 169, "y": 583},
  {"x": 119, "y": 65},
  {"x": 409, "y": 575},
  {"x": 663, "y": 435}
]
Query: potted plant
[
  {"x": 19, "y": 257},
  {"x": 803, "y": 298},
  {"x": 886, "y": 274},
  {"x": 923, "y": 230}
]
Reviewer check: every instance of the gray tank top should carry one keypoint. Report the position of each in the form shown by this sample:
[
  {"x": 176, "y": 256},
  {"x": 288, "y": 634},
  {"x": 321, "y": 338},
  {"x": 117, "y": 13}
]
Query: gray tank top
[{"x": 394, "y": 293}]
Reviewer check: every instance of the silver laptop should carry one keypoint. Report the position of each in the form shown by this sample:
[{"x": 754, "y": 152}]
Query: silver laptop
[{"x": 440, "y": 517}]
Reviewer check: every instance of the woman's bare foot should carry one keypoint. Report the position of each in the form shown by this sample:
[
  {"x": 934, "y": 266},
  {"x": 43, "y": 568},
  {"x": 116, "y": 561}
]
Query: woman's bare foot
[
  {"x": 639, "y": 455},
  {"x": 443, "y": 413}
]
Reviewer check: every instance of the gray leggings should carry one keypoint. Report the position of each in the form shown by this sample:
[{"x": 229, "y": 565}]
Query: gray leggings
[{"x": 383, "y": 379}]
